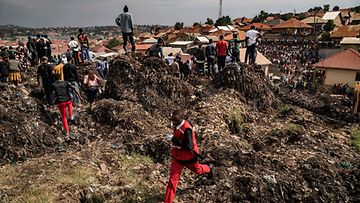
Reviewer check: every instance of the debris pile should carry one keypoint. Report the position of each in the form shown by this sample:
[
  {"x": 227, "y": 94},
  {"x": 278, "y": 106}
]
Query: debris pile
[
  {"x": 251, "y": 84},
  {"x": 152, "y": 84},
  {"x": 266, "y": 147}
]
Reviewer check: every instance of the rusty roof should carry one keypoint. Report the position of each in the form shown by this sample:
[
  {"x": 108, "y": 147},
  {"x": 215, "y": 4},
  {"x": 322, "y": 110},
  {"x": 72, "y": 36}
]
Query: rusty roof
[
  {"x": 346, "y": 31},
  {"x": 259, "y": 26},
  {"x": 347, "y": 60},
  {"x": 292, "y": 23}
]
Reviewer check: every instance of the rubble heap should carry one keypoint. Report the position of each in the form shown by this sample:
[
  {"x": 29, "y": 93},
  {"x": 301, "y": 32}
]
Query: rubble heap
[
  {"x": 250, "y": 83},
  {"x": 152, "y": 83},
  {"x": 282, "y": 153}
]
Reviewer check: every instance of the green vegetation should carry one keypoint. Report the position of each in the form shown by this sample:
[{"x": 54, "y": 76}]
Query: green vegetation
[
  {"x": 329, "y": 26},
  {"x": 235, "y": 120},
  {"x": 209, "y": 21},
  {"x": 223, "y": 21},
  {"x": 294, "y": 128},
  {"x": 178, "y": 26},
  {"x": 355, "y": 138},
  {"x": 113, "y": 43},
  {"x": 284, "y": 110}
]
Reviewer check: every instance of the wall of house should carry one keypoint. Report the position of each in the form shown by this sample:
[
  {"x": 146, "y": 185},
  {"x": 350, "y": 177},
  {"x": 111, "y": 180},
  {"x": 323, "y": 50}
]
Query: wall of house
[
  {"x": 338, "y": 21},
  {"x": 335, "y": 76}
]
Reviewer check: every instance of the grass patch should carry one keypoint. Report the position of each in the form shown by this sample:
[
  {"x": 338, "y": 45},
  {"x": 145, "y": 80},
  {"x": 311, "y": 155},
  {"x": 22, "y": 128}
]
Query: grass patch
[
  {"x": 355, "y": 138},
  {"x": 235, "y": 119},
  {"x": 295, "y": 128},
  {"x": 286, "y": 109}
]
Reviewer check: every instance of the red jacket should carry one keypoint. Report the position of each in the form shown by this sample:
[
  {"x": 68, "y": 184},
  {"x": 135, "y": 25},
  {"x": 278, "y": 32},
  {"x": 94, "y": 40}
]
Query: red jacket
[{"x": 182, "y": 154}]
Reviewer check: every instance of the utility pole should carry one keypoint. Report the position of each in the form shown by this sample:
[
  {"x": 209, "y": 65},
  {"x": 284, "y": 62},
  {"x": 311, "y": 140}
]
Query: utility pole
[{"x": 220, "y": 9}]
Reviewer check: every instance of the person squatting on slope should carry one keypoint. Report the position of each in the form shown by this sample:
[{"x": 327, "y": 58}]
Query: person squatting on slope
[{"x": 185, "y": 153}]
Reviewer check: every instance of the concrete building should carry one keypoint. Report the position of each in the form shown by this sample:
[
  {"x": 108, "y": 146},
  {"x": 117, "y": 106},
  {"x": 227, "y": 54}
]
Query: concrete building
[
  {"x": 335, "y": 16},
  {"x": 343, "y": 67}
]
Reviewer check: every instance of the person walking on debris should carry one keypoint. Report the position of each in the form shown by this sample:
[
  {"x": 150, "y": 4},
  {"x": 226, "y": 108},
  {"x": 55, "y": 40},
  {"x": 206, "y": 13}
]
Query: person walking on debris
[
  {"x": 221, "y": 47},
  {"x": 252, "y": 36},
  {"x": 58, "y": 70},
  {"x": 63, "y": 101},
  {"x": 14, "y": 72},
  {"x": 155, "y": 50},
  {"x": 92, "y": 84},
  {"x": 84, "y": 42},
  {"x": 48, "y": 43},
  {"x": 103, "y": 68},
  {"x": 71, "y": 75},
  {"x": 45, "y": 72},
  {"x": 210, "y": 52},
  {"x": 200, "y": 60},
  {"x": 185, "y": 153},
  {"x": 74, "y": 47},
  {"x": 234, "y": 48},
  {"x": 4, "y": 67},
  {"x": 125, "y": 21}
]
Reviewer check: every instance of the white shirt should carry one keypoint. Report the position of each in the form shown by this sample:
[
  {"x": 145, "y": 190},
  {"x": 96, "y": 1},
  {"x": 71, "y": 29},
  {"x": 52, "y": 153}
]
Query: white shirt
[
  {"x": 252, "y": 35},
  {"x": 74, "y": 45}
]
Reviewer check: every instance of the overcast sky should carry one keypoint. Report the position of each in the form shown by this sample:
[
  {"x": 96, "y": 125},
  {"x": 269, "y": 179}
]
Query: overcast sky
[{"x": 43, "y": 13}]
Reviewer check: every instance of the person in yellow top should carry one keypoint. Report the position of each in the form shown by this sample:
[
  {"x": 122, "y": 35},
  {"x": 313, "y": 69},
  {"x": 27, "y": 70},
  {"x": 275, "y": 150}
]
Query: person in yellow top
[{"x": 58, "y": 69}]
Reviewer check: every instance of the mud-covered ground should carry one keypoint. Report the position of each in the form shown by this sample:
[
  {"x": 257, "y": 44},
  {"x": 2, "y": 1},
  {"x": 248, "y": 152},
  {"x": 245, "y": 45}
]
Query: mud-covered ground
[{"x": 268, "y": 145}]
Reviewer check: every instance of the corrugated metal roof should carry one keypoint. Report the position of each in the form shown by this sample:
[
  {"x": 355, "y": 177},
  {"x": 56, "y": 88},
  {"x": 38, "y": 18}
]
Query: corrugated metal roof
[
  {"x": 203, "y": 39},
  {"x": 346, "y": 31},
  {"x": 260, "y": 59},
  {"x": 331, "y": 15},
  {"x": 348, "y": 60},
  {"x": 350, "y": 40},
  {"x": 180, "y": 43},
  {"x": 150, "y": 41},
  {"x": 293, "y": 23}
]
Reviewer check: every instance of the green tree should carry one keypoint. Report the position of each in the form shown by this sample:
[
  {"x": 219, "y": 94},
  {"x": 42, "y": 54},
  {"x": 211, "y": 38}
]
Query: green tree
[
  {"x": 325, "y": 36},
  {"x": 113, "y": 43},
  {"x": 196, "y": 24},
  {"x": 336, "y": 8},
  {"x": 225, "y": 20},
  {"x": 179, "y": 25},
  {"x": 301, "y": 16},
  {"x": 286, "y": 16},
  {"x": 326, "y": 7},
  {"x": 209, "y": 21},
  {"x": 329, "y": 26}
]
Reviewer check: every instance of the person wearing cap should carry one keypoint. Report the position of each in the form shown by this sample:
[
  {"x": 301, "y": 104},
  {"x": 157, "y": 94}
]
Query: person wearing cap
[
  {"x": 185, "y": 153},
  {"x": 125, "y": 21},
  {"x": 45, "y": 72},
  {"x": 4, "y": 66}
]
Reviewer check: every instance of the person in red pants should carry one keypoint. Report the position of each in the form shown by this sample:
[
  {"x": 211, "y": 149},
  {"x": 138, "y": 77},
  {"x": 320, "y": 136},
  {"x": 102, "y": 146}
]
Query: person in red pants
[
  {"x": 185, "y": 153},
  {"x": 63, "y": 100}
]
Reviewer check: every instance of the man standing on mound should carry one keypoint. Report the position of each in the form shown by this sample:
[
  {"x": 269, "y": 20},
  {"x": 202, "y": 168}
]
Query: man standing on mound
[
  {"x": 125, "y": 21},
  {"x": 185, "y": 153}
]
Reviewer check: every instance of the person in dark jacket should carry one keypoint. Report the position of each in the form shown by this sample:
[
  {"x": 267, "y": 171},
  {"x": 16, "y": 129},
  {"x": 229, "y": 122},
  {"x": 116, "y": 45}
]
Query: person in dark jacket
[
  {"x": 4, "y": 67},
  {"x": 45, "y": 72},
  {"x": 71, "y": 75},
  {"x": 62, "y": 91},
  {"x": 200, "y": 60},
  {"x": 210, "y": 52},
  {"x": 31, "y": 46},
  {"x": 185, "y": 153}
]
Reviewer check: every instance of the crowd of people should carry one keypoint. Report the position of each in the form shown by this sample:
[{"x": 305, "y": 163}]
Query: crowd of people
[{"x": 290, "y": 55}]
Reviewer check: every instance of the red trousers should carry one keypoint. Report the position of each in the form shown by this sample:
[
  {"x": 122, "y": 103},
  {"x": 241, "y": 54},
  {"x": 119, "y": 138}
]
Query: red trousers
[
  {"x": 175, "y": 172},
  {"x": 62, "y": 107}
]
